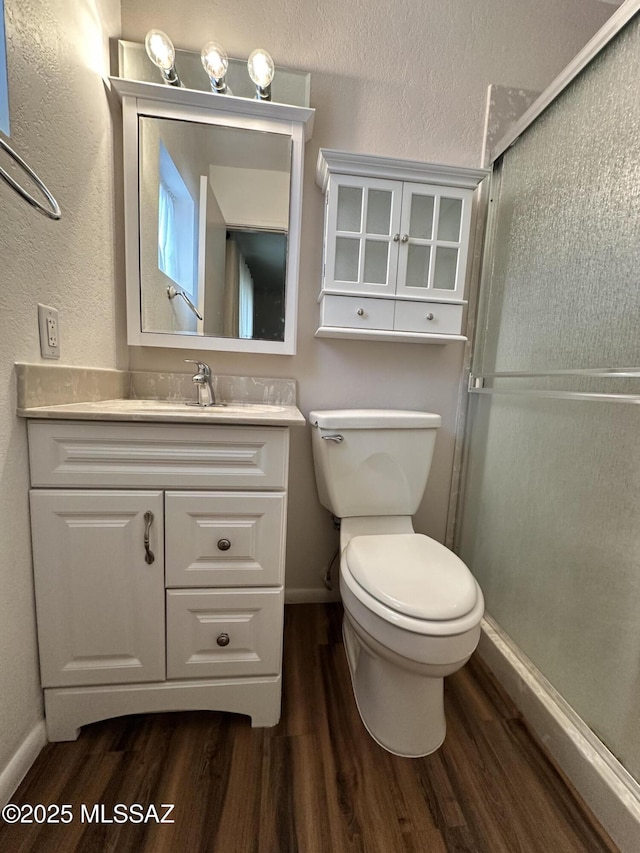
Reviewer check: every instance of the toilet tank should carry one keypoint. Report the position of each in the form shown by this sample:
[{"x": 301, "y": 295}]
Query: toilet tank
[{"x": 372, "y": 461}]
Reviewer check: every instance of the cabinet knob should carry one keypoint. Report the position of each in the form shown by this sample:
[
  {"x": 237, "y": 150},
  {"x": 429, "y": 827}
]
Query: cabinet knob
[
  {"x": 224, "y": 544},
  {"x": 222, "y": 640},
  {"x": 430, "y": 316},
  {"x": 360, "y": 312},
  {"x": 404, "y": 238},
  {"x": 396, "y": 238}
]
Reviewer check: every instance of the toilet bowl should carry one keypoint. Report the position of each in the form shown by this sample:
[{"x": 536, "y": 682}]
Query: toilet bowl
[
  {"x": 412, "y": 609},
  {"x": 404, "y": 632}
]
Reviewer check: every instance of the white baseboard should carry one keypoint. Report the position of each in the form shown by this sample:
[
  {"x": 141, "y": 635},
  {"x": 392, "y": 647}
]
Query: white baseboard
[
  {"x": 310, "y": 596},
  {"x": 19, "y": 765},
  {"x": 611, "y": 793}
]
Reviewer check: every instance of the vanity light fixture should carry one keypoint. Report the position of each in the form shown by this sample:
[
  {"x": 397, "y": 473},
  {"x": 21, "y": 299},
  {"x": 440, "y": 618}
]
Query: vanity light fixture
[
  {"x": 216, "y": 62},
  {"x": 261, "y": 71},
  {"x": 161, "y": 52}
]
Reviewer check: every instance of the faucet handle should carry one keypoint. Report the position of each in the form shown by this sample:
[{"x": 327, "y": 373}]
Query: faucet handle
[{"x": 203, "y": 367}]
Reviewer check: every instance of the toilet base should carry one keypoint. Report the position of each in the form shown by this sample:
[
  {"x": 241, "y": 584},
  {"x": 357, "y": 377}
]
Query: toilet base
[{"x": 402, "y": 710}]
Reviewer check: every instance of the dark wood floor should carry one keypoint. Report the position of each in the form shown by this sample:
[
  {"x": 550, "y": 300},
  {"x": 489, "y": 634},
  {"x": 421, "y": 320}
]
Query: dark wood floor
[{"x": 316, "y": 783}]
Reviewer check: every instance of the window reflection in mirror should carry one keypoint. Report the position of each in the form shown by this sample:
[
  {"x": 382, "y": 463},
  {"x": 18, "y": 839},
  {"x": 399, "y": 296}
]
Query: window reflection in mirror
[{"x": 214, "y": 214}]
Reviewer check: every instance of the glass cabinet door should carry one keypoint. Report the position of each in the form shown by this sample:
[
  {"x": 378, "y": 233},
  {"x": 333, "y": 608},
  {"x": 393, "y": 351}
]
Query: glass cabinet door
[
  {"x": 362, "y": 237},
  {"x": 434, "y": 228}
]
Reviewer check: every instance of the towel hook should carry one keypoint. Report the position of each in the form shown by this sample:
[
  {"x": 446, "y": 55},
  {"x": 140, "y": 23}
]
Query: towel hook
[{"x": 54, "y": 212}]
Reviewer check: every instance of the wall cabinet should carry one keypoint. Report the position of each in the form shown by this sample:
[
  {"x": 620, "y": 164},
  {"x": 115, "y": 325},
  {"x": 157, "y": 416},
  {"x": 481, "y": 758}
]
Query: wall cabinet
[
  {"x": 152, "y": 593},
  {"x": 396, "y": 242}
]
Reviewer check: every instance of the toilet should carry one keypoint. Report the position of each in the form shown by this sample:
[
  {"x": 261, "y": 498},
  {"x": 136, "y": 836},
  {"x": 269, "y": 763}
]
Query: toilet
[{"x": 412, "y": 609}]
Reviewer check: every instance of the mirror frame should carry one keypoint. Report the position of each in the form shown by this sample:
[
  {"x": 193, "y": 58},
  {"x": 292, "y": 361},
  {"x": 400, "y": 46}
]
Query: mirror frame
[{"x": 170, "y": 102}]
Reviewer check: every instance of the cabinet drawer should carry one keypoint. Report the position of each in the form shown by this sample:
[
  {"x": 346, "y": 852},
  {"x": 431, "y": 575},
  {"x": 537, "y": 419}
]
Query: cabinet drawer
[
  {"x": 224, "y": 539},
  {"x": 141, "y": 455},
  {"x": 199, "y": 622},
  {"x": 437, "y": 318},
  {"x": 344, "y": 311}
]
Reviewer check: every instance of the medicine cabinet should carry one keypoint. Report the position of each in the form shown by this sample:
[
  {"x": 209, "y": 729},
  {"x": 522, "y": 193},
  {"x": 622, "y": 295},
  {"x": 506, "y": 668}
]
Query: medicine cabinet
[{"x": 213, "y": 198}]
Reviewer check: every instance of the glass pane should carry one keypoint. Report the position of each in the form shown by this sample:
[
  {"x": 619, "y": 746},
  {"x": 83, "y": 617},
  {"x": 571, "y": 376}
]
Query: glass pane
[
  {"x": 349, "y": 209},
  {"x": 554, "y": 543},
  {"x": 378, "y": 212},
  {"x": 449, "y": 219},
  {"x": 376, "y": 260},
  {"x": 444, "y": 275},
  {"x": 347, "y": 259},
  {"x": 566, "y": 230},
  {"x": 418, "y": 266},
  {"x": 421, "y": 222}
]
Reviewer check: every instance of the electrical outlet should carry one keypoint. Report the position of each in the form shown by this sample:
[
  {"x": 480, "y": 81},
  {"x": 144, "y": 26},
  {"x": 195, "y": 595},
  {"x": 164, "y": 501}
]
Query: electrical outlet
[{"x": 49, "y": 333}]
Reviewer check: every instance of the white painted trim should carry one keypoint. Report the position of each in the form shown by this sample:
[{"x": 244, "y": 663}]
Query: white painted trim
[
  {"x": 382, "y": 335},
  {"x": 227, "y": 104},
  {"x": 608, "y": 789},
  {"x": 20, "y": 764},
  {"x": 619, "y": 19},
  {"x": 310, "y": 596},
  {"x": 391, "y": 168}
]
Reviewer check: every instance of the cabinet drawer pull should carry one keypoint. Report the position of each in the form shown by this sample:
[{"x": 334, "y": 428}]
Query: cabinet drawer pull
[
  {"x": 222, "y": 640},
  {"x": 430, "y": 316},
  {"x": 224, "y": 544},
  {"x": 360, "y": 312},
  {"x": 148, "y": 521}
]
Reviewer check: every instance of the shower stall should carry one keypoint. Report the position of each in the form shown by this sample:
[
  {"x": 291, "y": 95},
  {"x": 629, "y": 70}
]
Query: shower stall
[{"x": 549, "y": 514}]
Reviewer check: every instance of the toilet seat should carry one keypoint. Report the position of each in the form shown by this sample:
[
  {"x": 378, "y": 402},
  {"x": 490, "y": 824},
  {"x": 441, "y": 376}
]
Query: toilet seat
[{"x": 413, "y": 575}]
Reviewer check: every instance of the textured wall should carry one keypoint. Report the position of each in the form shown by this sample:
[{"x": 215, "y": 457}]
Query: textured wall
[
  {"x": 61, "y": 124},
  {"x": 407, "y": 79}
]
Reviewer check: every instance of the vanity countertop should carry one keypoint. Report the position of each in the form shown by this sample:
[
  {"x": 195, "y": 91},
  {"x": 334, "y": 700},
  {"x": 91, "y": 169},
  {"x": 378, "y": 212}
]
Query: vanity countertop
[{"x": 163, "y": 411}]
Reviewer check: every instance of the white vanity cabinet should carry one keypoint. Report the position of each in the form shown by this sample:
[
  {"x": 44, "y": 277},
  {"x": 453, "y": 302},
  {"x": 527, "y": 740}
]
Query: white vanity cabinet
[
  {"x": 159, "y": 568},
  {"x": 396, "y": 242}
]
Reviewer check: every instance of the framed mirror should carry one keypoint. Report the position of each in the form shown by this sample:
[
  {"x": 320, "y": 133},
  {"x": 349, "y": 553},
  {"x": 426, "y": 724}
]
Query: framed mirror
[{"x": 213, "y": 192}]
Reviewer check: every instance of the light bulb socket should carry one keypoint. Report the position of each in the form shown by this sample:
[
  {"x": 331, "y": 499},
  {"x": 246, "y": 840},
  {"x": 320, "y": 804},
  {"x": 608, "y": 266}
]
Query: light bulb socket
[
  {"x": 170, "y": 76},
  {"x": 263, "y": 93},
  {"x": 219, "y": 87}
]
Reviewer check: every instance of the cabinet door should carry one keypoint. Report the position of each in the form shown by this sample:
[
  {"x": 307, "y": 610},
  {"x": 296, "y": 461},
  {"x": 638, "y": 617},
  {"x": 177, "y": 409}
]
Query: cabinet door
[
  {"x": 433, "y": 243},
  {"x": 99, "y": 599},
  {"x": 363, "y": 218}
]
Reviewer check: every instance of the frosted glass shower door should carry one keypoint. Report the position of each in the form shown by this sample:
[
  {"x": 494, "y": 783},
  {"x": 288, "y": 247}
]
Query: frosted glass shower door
[{"x": 550, "y": 519}]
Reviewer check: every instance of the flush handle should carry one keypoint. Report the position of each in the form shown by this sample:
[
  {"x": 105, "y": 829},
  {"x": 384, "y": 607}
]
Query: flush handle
[
  {"x": 148, "y": 521},
  {"x": 333, "y": 437}
]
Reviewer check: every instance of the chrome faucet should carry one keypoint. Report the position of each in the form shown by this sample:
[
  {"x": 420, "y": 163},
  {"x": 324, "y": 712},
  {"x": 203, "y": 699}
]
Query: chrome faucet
[{"x": 202, "y": 381}]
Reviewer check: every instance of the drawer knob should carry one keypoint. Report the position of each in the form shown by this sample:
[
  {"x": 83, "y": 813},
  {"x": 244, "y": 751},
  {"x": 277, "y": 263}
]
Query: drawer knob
[
  {"x": 360, "y": 312},
  {"x": 224, "y": 544},
  {"x": 223, "y": 640},
  {"x": 430, "y": 316}
]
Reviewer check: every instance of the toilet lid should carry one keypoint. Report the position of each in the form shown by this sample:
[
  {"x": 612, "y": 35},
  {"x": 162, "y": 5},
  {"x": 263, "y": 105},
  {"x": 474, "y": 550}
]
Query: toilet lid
[{"x": 412, "y": 574}]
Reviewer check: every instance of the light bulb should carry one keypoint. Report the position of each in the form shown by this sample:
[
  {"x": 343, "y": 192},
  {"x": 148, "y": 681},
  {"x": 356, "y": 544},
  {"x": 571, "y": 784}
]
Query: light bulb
[
  {"x": 161, "y": 52},
  {"x": 216, "y": 62},
  {"x": 261, "y": 71}
]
